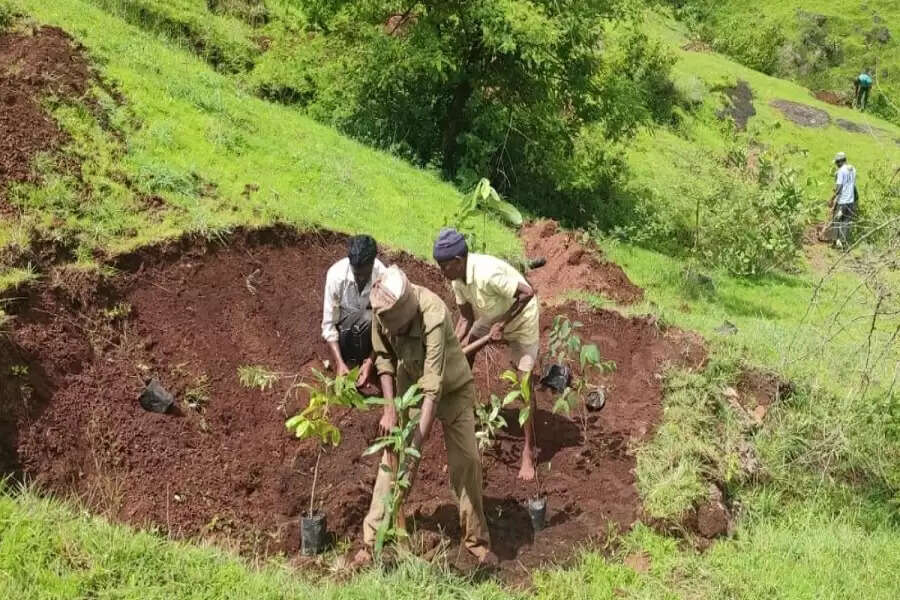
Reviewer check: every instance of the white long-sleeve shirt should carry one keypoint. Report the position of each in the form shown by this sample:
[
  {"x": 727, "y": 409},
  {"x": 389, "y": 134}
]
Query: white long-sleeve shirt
[{"x": 342, "y": 294}]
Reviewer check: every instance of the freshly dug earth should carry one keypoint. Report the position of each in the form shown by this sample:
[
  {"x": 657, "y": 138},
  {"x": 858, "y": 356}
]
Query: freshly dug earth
[
  {"x": 802, "y": 114},
  {"x": 192, "y": 313},
  {"x": 34, "y": 67},
  {"x": 741, "y": 108},
  {"x": 573, "y": 266}
]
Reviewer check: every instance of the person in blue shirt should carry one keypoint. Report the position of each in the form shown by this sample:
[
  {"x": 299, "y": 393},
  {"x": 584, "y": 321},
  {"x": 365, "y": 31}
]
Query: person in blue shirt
[{"x": 862, "y": 84}]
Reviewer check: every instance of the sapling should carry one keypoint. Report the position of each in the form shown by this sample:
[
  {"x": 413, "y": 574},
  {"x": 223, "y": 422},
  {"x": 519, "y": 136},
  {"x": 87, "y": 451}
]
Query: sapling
[
  {"x": 314, "y": 420},
  {"x": 399, "y": 444},
  {"x": 566, "y": 347}
]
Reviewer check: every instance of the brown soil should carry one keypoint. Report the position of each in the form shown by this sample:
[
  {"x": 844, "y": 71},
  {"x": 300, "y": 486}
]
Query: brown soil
[
  {"x": 573, "y": 266},
  {"x": 741, "y": 107},
  {"x": 802, "y": 114},
  {"x": 34, "y": 67},
  {"x": 697, "y": 46},
  {"x": 833, "y": 98},
  {"x": 861, "y": 128},
  {"x": 192, "y": 314}
]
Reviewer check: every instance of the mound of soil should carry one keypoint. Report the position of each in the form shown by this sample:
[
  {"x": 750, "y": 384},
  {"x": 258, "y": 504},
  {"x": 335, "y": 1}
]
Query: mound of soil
[
  {"x": 192, "y": 313},
  {"x": 741, "y": 108},
  {"x": 34, "y": 67},
  {"x": 573, "y": 266},
  {"x": 833, "y": 98},
  {"x": 802, "y": 114}
]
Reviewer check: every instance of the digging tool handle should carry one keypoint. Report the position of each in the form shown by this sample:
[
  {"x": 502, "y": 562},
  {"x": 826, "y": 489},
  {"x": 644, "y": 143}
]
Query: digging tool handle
[{"x": 477, "y": 344}]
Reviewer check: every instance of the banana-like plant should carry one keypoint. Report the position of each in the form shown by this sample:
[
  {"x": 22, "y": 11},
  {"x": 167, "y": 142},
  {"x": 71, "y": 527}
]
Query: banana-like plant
[{"x": 486, "y": 198}]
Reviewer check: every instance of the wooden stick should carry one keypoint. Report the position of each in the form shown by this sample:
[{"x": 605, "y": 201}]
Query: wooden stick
[{"x": 476, "y": 345}]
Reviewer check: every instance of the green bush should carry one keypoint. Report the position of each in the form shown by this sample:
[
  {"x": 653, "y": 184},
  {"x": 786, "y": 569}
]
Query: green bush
[
  {"x": 8, "y": 13},
  {"x": 532, "y": 95}
]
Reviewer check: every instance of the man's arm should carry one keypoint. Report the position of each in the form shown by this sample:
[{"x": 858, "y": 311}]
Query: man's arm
[
  {"x": 431, "y": 383},
  {"x": 331, "y": 310},
  {"x": 384, "y": 366},
  {"x": 522, "y": 295},
  {"x": 465, "y": 322}
]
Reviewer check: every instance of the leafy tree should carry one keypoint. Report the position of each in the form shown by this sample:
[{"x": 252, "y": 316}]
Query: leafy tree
[{"x": 532, "y": 94}]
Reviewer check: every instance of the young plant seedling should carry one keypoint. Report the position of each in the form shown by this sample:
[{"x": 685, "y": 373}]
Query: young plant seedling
[
  {"x": 565, "y": 348},
  {"x": 313, "y": 421},
  {"x": 490, "y": 421},
  {"x": 404, "y": 456}
]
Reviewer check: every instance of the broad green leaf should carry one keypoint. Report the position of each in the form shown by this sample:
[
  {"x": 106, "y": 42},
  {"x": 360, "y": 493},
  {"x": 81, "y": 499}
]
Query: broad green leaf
[
  {"x": 378, "y": 446},
  {"x": 523, "y": 415}
]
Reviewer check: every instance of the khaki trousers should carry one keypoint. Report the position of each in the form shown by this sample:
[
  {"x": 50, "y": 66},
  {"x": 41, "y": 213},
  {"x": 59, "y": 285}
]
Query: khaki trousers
[{"x": 455, "y": 412}]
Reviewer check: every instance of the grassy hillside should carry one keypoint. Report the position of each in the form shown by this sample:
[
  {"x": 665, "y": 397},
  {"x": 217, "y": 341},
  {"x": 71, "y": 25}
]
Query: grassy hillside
[
  {"x": 821, "y": 523},
  {"x": 216, "y": 156},
  {"x": 824, "y": 46}
]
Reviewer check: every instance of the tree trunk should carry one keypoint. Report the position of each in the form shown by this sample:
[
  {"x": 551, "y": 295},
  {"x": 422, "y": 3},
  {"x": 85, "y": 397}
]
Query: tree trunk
[{"x": 454, "y": 124}]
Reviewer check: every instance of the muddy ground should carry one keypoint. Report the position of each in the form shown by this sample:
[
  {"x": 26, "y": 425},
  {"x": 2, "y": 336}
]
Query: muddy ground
[
  {"x": 191, "y": 313},
  {"x": 802, "y": 114},
  {"x": 36, "y": 67},
  {"x": 741, "y": 105}
]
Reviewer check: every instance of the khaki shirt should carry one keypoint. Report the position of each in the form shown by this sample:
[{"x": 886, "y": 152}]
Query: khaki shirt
[
  {"x": 428, "y": 354},
  {"x": 490, "y": 287}
]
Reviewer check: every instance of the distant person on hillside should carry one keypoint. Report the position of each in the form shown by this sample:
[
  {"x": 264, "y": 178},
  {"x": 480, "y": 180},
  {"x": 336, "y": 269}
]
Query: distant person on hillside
[
  {"x": 494, "y": 298},
  {"x": 861, "y": 86},
  {"x": 843, "y": 202},
  {"x": 347, "y": 314}
]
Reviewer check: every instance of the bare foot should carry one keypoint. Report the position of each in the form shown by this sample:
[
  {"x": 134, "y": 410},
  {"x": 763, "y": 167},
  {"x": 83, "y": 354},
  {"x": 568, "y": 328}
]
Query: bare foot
[
  {"x": 526, "y": 473},
  {"x": 489, "y": 560},
  {"x": 362, "y": 559}
]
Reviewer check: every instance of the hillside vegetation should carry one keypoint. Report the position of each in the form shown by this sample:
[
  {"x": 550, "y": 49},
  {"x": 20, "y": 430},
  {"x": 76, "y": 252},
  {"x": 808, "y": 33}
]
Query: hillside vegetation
[
  {"x": 823, "y": 46},
  {"x": 208, "y": 115}
]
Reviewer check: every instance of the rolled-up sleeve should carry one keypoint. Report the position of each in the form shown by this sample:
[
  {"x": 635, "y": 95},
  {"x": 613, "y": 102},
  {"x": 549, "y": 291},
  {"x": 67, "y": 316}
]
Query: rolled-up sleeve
[
  {"x": 432, "y": 381},
  {"x": 331, "y": 308},
  {"x": 384, "y": 353}
]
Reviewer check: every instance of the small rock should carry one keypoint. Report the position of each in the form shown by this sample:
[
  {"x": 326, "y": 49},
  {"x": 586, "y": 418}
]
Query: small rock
[
  {"x": 727, "y": 328},
  {"x": 759, "y": 413},
  {"x": 712, "y": 517},
  {"x": 639, "y": 561},
  {"x": 155, "y": 398}
]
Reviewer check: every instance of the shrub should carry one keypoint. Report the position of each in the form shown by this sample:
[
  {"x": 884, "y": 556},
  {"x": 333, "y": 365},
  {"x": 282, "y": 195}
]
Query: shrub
[{"x": 532, "y": 95}]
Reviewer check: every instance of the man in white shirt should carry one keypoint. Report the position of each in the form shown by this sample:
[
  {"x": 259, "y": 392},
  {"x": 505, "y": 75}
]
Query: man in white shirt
[
  {"x": 494, "y": 298},
  {"x": 843, "y": 202},
  {"x": 346, "y": 313}
]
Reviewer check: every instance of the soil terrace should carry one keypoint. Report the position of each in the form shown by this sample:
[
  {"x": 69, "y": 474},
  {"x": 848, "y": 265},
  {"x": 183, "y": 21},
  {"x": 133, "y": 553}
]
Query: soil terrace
[{"x": 192, "y": 312}]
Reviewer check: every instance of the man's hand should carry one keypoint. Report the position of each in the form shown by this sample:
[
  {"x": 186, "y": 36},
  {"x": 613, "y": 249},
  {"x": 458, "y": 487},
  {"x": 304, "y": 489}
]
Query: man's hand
[
  {"x": 388, "y": 420},
  {"x": 342, "y": 368},
  {"x": 365, "y": 371},
  {"x": 497, "y": 331}
]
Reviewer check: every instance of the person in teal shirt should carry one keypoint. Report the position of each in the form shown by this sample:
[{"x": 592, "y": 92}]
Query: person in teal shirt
[{"x": 862, "y": 84}]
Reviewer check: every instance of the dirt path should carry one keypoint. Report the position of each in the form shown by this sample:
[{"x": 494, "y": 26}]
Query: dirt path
[{"x": 192, "y": 314}]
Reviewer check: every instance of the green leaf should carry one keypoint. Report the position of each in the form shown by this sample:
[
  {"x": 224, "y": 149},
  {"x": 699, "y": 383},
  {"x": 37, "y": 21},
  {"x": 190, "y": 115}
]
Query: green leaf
[
  {"x": 511, "y": 397},
  {"x": 413, "y": 452},
  {"x": 378, "y": 446},
  {"x": 510, "y": 376},
  {"x": 523, "y": 415},
  {"x": 590, "y": 354}
]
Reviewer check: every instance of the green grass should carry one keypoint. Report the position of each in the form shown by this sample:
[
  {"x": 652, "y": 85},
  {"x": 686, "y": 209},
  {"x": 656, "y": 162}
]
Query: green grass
[
  {"x": 671, "y": 162},
  {"x": 50, "y": 551}
]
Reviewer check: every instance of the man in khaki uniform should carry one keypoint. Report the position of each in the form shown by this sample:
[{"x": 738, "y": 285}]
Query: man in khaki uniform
[
  {"x": 414, "y": 343},
  {"x": 494, "y": 298}
]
